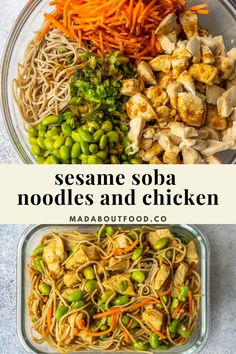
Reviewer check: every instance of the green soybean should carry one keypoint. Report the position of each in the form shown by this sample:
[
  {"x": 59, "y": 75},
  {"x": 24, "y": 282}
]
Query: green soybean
[
  {"x": 38, "y": 250},
  {"x": 107, "y": 126},
  {"x": 113, "y": 137},
  {"x": 89, "y": 273},
  {"x": 51, "y": 133},
  {"x": 161, "y": 244},
  {"x": 85, "y": 135},
  {"x": 66, "y": 129},
  {"x": 90, "y": 285},
  {"x": 94, "y": 125},
  {"x": 51, "y": 160},
  {"x": 65, "y": 152},
  {"x": 38, "y": 265},
  {"x": 49, "y": 144},
  {"x": 44, "y": 289},
  {"x": 40, "y": 142},
  {"x": 59, "y": 142},
  {"x": 124, "y": 128},
  {"x": 141, "y": 346},
  {"x": 126, "y": 142},
  {"x": 93, "y": 148},
  {"x": 94, "y": 160},
  {"x": 169, "y": 254},
  {"x": 123, "y": 285},
  {"x": 121, "y": 300},
  {"x": 102, "y": 155},
  {"x": 97, "y": 135},
  {"x": 105, "y": 296},
  {"x": 185, "y": 333},
  {"x": 32, "y": 140},
  {"x": 109, "y": 230},
  {"x": 75, "y": 150},
  {"x": 165, "y": 299},
  {"x": 109, "y": 321},
  {"x": 40, "y": 160},
  {"x": 75, "y": 136},
  {"x": 114, "y": 160},
  {"x": 137, "y": 253},
  {"x": 163, "y": 347},
  {"x": 183, "y": 293},
  {"x": 134, "y": 324},
  {"x": 78, "y": 304},
  {"x": 69, "y": 141},
  {"x": 75, "y": 295},
  {"x": 136, "y": 161},
  {"x": 103, "y": 142},
  {"x": 174, "y": 326},
  {"x": 154, "y": 341},
  {"x": 85, "y": 147},
  {"x": 36, "y": 150},
  {"x": 61, "y": 311},
  {"x": 50, "y": 120},
  {"x": 174, "y": 304},
  {"x": 139, "y": 276},
  {"x": 125, "y": 320},
  {"x": 33, "y": 132}
]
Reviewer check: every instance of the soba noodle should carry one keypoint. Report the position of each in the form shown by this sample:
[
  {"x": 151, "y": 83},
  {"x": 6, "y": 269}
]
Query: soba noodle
[{"x": 96, "y": 320}]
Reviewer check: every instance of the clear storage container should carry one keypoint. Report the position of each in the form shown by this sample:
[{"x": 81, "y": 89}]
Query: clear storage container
[
  {"x": 221, "y": 20},
  {"x": 30, "y": 240}
]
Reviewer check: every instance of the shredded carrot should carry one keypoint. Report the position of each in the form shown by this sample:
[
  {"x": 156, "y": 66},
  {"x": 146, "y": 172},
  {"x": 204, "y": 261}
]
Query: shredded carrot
[
  {"x": 130, "y": 323},
  {"x": 203, "y": 12},
  {"x": 49, "y": 319},
  {"x": 119, "y": 251},
  {"x": 76, "y": 331},
  {"x": 164, "y": 293},
  {"x": 178, "y": 309},
  {"x": 160, "y": 335},
  {"x": 81, "y": 323},
  {"x": 198, "y": 7},
  {"x": 108, "y": 313},
  {"x": 182, "y": 340},
  {"x": 190, "y": 301},
  {"x": 114, "y": 320}
]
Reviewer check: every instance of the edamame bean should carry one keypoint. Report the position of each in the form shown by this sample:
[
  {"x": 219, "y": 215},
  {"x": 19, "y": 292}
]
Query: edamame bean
[
  {"x": 75, "y": 150},
  {"x": 89, "y": 273},
  {"x": 61, "y": 311},
  {"x": 137, "y": 253},
  {"x": 103, "y": 142},
  {"x": 32, "y": 140},
  {"x": 75, "y": 161},
  {"x": 114, "y": 160},
  {"x": 136, "y": 161},
  {"x": 65, "y": 152},
  {"x": 75, "y": 136},
  {"x": 163, "y": 347},
  {"x": 94, "y": 125},
  {"x": 40, "y": 160},
  {"x": 77, "y": 304},
  {"x": 110, "y": 230},
  {"x": 33, "y": 132},
  {"x": 102, "y": 155},
  {"x": 174, "y": 304},
  {"x": 49, "y": 144},
  {"x": 124, "y": 128},
  {"x": 94, "y": 160},
  {"x": 109, "y": 321},
  {"x": 125, "y": 320},
  {"x": 75, "y": 296},
  {"x": 154, "y": 341},
  {"x": 139, "y": 276},
  {"x": 69, "y": 141},
  {"x": 38, "y": 265},
  {"x": 126, "y": 142},
  {"x": 105, "y": 297},
  {"x": 121, "y": 300},
  {"x": 51, "y": 160},
  {"x": 183, "y": 293},
  {"x": 50, "y": 120},
  {"x": 59, "y": 142},
  {"x": 66, "y": 129},
  {"x": 41, "y": 134},
  {"x": 44, "y": 289},
  {"x": 90, "y": 285},
  {"x": 36, "y": 150},
  {"x": 134, "y": 324},
  {"x": 123, "y": 285},
  {"x": 103, "y": 328},
  {"x": 174, "y": 326},
  {"x": 40, "y": 142},
  {"x": 162, "y": 243},
  {"x": 50, "y": 133},
  {"x": 107, "y": 126},
  {"x": 113, "y": 152},
  {"x": 84, "y": 147},
  {"x": 41, "y": 127},
  {"x": 97, "y": 135},
  {"x": 93, "y": 148},
  {"x": 56, "y": 153},
  {"x": 38, "y": 250},
  {"x": 141, "y": 346},
  {"x": 85, "y": 135},
  {"x": 169, "y": 254},
  {"x": 92, "y": 312},
  {"x": 185, "y": 333},
  {"x": 113, "y": 137}
]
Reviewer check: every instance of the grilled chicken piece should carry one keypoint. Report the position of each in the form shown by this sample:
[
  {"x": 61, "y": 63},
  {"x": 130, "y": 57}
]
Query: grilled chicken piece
[
  {"x": 189, "y": 22},
  {"x": 208, "y": 133},
  {"x": 191, "y": 109},
  {"x": 187, "y": 81},
  {"x": 154, "y": 151},
  {"x": 232, "y": 54},
  {"x": 145, "y": 145},
  {"x": 83, "y": 334},
  {"x": 213, "y": 160},
  {"x": 113, "y": 283},
  {"x": 192, "y": 256},
  {"x": 71, "y": 279},
  {"x": 230, "y": 133},
  {"x": 191, "y": 156},
  {"x": 117, "y": 264},
  {"x": 227, "y": 102},
  {"x": 153, "y": 319},
  {"x": 161, "y": 63},
  {"x": 165, "y": 113},
  {"x": 156, "y": 96},
  {"x": 213, "y": 93},
  {"x": 163, "y": 80},
  {"x": 146, "y": 73},
  {"x": 179, "y": 278},
  {"x": 136, "y": 129},
  {"x": 180, "y": 130},
  {"x": 149, "y": 133},
  {"x": 230, "y": 83},
  {"x": 217, "y": 146},
  {"x": 213, "y": 120},
  {"x": 225, "y": 65},
  {"x": 168, "y": 24},
  {"x": 131, "y": 86},
  {"x": 204, "y": 73},
  {"x": 194, "y": 49},
  {"x": 140, "y": 106},
  {"x": 154, "y": 236},
  {"x": 173, "y": 90},
  {"x": 215, "y": 44},
  {"x": 161, "y": 276},
  {"x": 168, "y": 42},
  {"x": 207, "y": 55},
  {"x": 121, "y": 241},
  {"x": 83, "y": 255},
  {"x": 180, "y": 61},
  {"x": 171, "y": 155},
  {"x": 54, "y": 255}
]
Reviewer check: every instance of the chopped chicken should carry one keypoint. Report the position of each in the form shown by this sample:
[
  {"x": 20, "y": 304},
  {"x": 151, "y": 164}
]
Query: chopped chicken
[
  {"x": 154, "y": 151},
  {"x": 213, "y": 120},
  {"x": 131, "y": 86},
  {"x": 153, "y": 319},
  {"x": 113, "y": 283},
  {"x": 232, "y": 54},
  {"x": 136, "y": 129},
  {"x": 156, "y": 161},
  {"x": 149, "y": 132},
  {"x": 230, "y": 133},
  {"x": 207, "y": 55},
  {"x": 146, "y": 73},
  {"x": 191, "y": 156},
  {"x": 163, "y": 79},
  {"x": 179, "y": 278},
  {"x": 213, "y": 160},
  {"x": 83, "y": 334},
  {"x": 71, "y": 279},
  {"x": 171, "y": 155},
  {"x": 215, "y": 44},
  {"x": 168, "y": 24},
  {"x": 161, "y": 276},
  {"x": 83, "y": 255},
  {"x": 179, "y": 129},
  {"x": 180, "y": 61},
  {"x": 54, "y": 255},
  {"x": 146, "y": 144},
  {"x": 161, "y": 63},
  {"x": 173, "y": 90},
  {"x": 227, "y": 102},
  {"x": 204, "y": 73},
  {"x": 191, "y": 109},
  {"x": 154, "y": 236},
  {"x": 189, "y": 22},
  {"x": 213, "y": 93},
  {"x": 156, "y": 96},
  {"x": 230, "y": 83},
  {"x": 217, "y": 146},
  {"x": 225, "y": 65},
  {"x": 165, "y": 113},
  {"x": 121, "y": 241},
  {"x": 192, "y": 256},
  {"x": 140, "y": 106},
  {"x": 165, "y": 141},
  {"x": 168, "y": 42},
  {"x": 187, "y": 81},
  {"x": 194, "y": 49},
  {"x": 117, "y": 264}
]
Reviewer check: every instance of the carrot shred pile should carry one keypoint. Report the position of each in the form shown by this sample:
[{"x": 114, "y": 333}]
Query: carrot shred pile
[{"x": 125, "y": 25}]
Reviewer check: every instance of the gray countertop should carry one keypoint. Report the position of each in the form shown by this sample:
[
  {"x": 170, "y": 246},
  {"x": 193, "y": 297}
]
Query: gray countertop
[{"x": 222, "y": 337}]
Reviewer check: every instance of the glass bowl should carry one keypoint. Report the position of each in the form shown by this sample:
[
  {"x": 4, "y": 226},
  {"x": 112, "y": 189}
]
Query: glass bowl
[
  {"x": 30, "y": 240},
  {"x": 221, "y": 20}
]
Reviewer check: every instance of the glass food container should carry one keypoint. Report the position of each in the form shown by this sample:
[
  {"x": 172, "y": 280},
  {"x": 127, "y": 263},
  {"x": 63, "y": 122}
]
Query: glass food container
[
  {"x": 221, "y": 20},
  {"x": 30, "y": 240}
]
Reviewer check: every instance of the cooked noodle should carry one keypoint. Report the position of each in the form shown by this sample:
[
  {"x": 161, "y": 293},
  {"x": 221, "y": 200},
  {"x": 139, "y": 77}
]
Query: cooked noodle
[{"x": 62, "y": 266}]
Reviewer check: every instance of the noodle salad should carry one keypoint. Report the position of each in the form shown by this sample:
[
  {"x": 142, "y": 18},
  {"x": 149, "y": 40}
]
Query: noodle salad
[{"x": 115, "y": 289}]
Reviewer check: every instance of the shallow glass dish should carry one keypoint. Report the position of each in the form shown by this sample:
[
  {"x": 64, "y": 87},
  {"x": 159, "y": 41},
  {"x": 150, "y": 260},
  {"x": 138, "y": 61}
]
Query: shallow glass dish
[
  {"x": 30, "y": 240},
  {"x": 221, "y": 20}
]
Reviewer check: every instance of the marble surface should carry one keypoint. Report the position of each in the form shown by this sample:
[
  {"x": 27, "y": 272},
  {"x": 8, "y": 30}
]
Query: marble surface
[{"x": 222, "y": 337}]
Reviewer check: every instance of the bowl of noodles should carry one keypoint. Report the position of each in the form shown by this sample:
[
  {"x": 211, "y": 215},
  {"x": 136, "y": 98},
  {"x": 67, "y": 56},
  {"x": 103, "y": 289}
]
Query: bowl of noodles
[
  {"x": 124, "y": 82},
  {"x": 113, "y": 288}
]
